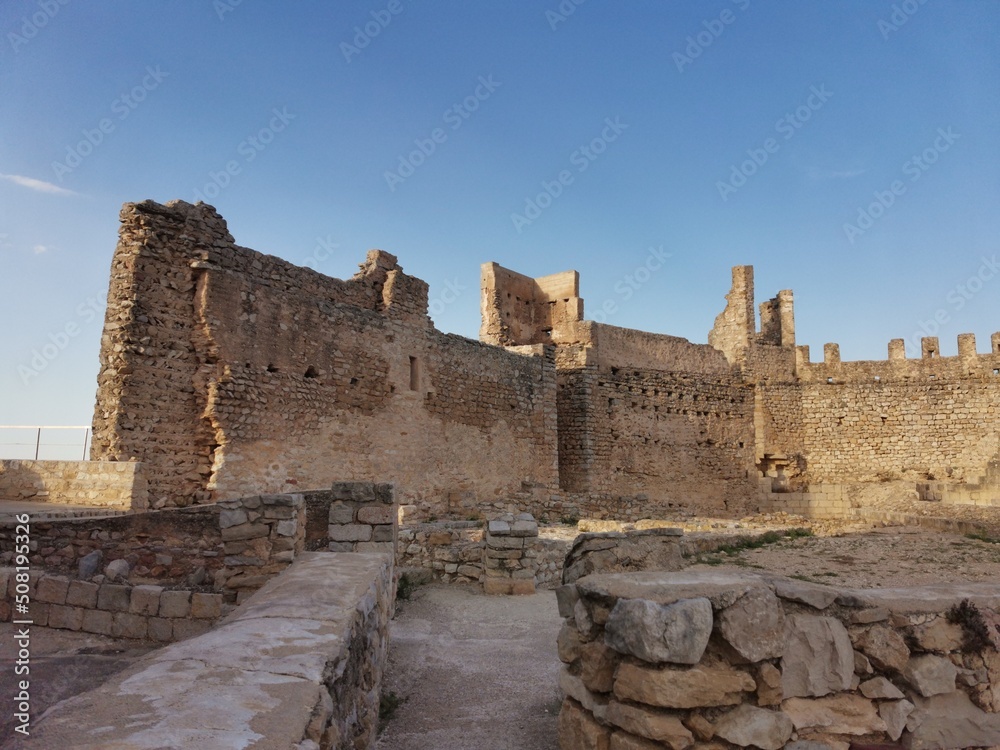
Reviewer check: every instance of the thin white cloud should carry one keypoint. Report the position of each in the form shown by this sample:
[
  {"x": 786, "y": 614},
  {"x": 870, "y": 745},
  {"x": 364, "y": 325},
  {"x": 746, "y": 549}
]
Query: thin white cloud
[
  {"x": 39, "y": 185},
  {"x": 39, "y": 249}
]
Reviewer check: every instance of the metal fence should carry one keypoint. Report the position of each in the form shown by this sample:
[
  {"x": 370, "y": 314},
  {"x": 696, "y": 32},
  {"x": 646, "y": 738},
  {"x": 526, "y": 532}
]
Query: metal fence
[{"x": 45, "y": 442}]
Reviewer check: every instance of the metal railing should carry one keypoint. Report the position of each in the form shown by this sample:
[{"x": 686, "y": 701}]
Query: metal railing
[{"x": 33, "y": 437}]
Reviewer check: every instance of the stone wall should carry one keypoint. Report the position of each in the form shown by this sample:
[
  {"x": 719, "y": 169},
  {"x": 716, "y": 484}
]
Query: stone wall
[
  {"x": 300, "y": 664},
  {"x": 120, "y": 610},
  {"x": 725, "y": 660},
  {"x": 231, "y": 373},
  {"x": 171, "y": 546},
  {"x": 107, "y": 484}
]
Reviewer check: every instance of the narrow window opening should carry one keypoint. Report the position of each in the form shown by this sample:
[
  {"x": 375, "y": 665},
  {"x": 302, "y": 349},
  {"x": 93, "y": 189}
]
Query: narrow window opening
[
  {"x": 414, "y": 374},
  {"x": 354, "y": 381},
  {"x": 311, "y": 372},
  {"x": 272, "y": 368}
]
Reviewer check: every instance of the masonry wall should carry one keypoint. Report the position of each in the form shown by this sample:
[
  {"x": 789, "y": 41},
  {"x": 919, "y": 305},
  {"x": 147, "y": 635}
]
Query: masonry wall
[
  {"x": 914, "y": 419},
  {"x": 229, "y": 373},
  {"x": 100, "y": 483}
]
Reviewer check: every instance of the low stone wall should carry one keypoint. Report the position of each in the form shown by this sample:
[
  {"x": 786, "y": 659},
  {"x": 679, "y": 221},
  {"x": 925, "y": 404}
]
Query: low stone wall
[
  {"x": 143, "y": 612},
  {"x": 362, "y": 517},
  {"x": 623, "y": 551},
  {"x": 104, "y": 483},
  {"x": 174, "y": 546},
  {"x": 720, "y": 660},
  {"x": 261, "y": 535},
  {"x": 451, "y": 550},
  {"x": 298, "y": 666},
  {"x": 510, "y": 557},
  {"x": 982, "y": 494}
]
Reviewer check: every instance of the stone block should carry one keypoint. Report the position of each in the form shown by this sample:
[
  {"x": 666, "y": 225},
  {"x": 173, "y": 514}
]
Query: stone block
[
  {"x": 127, "y": 625},
  {"x": 439, "y": 539},
  {"x": 383, "y": 534},
  {"x": 287, "y": 527},
  {"x": 66, "y": 618},
  {"x": 501, "y": 528},
  {"x": 376, "y": 514},
  {"x": 232, "y": 517},
  {"x": 206, "y": 606},
  {"x": 837, "y": 714},
  {"x": 579, "y": 730},
  {"x": 498, "y": 586},
  {"x": 658, "y": 633},
  {"x": 385, "y": 493},
  {"x": 651, "y": 724},
  {"x": 350, "y": 533},
  {"x": 175, "y": 604},
  {"x": 928, "y": 674},
  {"x": 245, "y": 531},
  {"x": 52, "y": 589},
  {"x": 113, "y": 597},
  {"x": 754, "y": 626},
  {"x": 504, "y": 542},
  {"x": 97, "y": 621},
  {"x": 145, "y": 600},
  {"x": 82, "y": 594},
  {"x": 524, "y": 529},
  {"x": 700, "y": 686},
  {"x": 341, "y": 546},
  {"x": 883, "y": 646},
  {"x": 359, "y": 492},
  {"x": 38, "y": 613},
  {"x": 818, "y": 657},
  {"x": 190, "y": 628},
  {"x": 751, "y": 726},
  {"x": 341, "y": 513},
  {"x": 160, "y": 630}
]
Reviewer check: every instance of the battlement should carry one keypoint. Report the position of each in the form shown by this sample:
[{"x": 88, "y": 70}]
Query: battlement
[{"x": 735, "y": 329}]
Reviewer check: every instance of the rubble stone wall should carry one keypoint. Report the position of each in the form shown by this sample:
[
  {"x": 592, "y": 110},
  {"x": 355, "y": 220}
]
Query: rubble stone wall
[
  {"x": 230, "y": 373},
  {"x": 102, "y": 483},
  {"x": 724, "y": 660}
]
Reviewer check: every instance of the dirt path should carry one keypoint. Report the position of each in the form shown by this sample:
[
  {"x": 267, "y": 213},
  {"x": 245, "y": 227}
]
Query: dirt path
[{"x": 474, "y": 672}]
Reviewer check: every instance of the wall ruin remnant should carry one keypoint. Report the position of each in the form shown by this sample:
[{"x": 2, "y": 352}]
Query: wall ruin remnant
[{"x": 230, "y": 373}]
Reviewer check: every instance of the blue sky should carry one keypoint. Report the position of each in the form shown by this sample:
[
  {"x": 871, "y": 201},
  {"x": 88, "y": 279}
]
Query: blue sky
[{"x": 848, "y": 150}]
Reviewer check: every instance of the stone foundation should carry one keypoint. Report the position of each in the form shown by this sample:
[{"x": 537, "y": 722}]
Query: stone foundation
[
  {"x": 107, "y": 484},
  {"x": 720, "y": 660},
  {"x": 509, "y": 560}
]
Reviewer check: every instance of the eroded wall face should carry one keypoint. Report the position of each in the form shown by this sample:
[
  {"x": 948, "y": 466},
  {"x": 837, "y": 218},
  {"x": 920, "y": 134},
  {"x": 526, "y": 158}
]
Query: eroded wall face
[{"x": 230, "y": 373}]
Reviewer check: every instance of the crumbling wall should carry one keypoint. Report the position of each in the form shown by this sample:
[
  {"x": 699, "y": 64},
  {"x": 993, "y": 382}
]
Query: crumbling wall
[
  {"x": 107, "y": 484},
  {"x": 230, "y": 373}
]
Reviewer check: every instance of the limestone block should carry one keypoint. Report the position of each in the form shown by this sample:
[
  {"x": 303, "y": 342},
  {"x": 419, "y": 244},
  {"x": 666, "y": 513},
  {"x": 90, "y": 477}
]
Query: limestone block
[
  {"x": 52, "y": 589},
  {"x": 818, "y": 659},
  {"x": 568, "y": 643},
  {"x": 145, "y": 600},
  {"x": 578, "y": 730},
  {"x": 950, "y": 721},
  {"x": 498, "y": 528},
  {"x": 232, "y": 517},
  {"x": 160, "y": 629},
  {"x": 748, "y": 725},
  {"x": 206, "y": 606},
  {"x": 287, "y": 527},
  {"x": 701, "y": 685},
  {"x": 175, "y": 604},
  {"x": 66, "y": 618},
  {"x": 245, "y": 531},
  {"x": 657, "y": 633},
  {"x": 97, "y": 621},
  {"x": 126, "y": 625},
  {"x": 350, "y": 533},
  {"x": 651, "y": 724},
  {"x": 361, "y": 492},
  {"x": 504, "y": 542},
  {"x": 113, "y": 597},
  {"x": 599, "y": 663},
  {"x": 439, "y": 539},
  {"x": 931, "y": 675},
  {"x": 376, "y": 514},
  {"x": 573, "y": 687},
  {"x": 813, "y": 594},
  {"x": 82, "y": 594},
  {"x": 769, "y": 685},
  {"x": 940, "y": 636},
  {"x": 754, "y": 625},
  {"x": 880, "y": 688},
  {"x": 188, "y": 628},
  {"x": 626, "y": 741},
  {"x": 837, "y": 714},
  {"x": 341, "y": 513},
  {"x": 883, "y": 646},
  {"x": 894, "y": 714},
  {"x": 566, "y": 598}
]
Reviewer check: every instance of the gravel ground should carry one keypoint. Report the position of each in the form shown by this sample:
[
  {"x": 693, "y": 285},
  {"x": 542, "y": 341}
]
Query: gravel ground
[{"x": 473, "y": 672}]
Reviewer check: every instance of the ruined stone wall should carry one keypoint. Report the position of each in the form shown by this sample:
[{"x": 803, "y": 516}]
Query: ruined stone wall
[
  {"x": 679, "y": 659},
  {"x": 231, "y": 373},
  {"x": 106, "y": 484}
]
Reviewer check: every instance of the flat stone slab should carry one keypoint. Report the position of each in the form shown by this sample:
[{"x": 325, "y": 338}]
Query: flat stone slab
[
  {"x": 721, "y": 588},
  {"x": 923, "y": 599}
]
